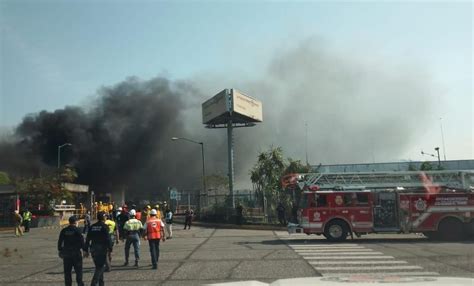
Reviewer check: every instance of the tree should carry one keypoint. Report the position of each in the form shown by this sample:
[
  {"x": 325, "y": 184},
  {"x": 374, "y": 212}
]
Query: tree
[
  {"x": 266, "y": 174},
  {"x": 426, "y": 166},
  {"x": 46, "y": 190},
  {"x": 4, "y": 179},
  {"x": 295, "y": 166}
]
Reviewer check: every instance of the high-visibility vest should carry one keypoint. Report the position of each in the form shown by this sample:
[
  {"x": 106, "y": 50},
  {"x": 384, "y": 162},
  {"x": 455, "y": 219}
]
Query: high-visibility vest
[
  {"x": 111, "y": 225},
  {"x": 26, "y": 216},
  {"x": 153, "y": 228}
]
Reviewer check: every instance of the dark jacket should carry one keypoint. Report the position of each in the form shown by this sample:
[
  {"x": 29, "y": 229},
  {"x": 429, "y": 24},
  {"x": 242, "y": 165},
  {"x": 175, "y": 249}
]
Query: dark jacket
[
  {"x": 70, "y": 240},
  {"x": 98, "y": 238}
]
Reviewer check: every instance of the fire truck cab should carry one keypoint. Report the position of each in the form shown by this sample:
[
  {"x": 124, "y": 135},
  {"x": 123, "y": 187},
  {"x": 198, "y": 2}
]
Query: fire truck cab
[{"x": 437, "y": 211}]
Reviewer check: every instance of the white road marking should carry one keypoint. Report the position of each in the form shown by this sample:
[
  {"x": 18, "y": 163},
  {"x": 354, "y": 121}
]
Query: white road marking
[
  {"x": 357, "y": 262},
  {"x": 348, "y": 257},
  {"x": 410, "y": 273},
  {"x": 337, "y": 268},
  {"x": 327, "y": 247},
  {"x": 332, "y": 250},
  {"x": 351, "y": 259},
  {"x": 305, "y": 253}
]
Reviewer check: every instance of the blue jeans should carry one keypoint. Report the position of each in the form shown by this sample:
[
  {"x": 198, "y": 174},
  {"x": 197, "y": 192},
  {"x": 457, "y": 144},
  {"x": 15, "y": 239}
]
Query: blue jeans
[{"x": 135, "y": 240}]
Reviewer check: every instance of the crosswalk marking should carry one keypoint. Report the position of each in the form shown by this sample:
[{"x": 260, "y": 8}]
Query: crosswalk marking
[
  {"x": 332, "y": 268},
  {"x": 357, "y": 262},
  {"x": 407, "y": 273},
  {"x": 328, "y": 247},
  {"x": 334, "y": 250},
  {"x": 342, "y": 253},
  {"x": 349, "y": 259}
]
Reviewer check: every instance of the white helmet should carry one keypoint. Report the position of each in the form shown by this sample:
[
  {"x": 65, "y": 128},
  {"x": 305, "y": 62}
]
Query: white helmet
[
  {"x": 119, "y": 208},
  {"x": 132, "y": 212},
  {"x": 153, "y": 212}
]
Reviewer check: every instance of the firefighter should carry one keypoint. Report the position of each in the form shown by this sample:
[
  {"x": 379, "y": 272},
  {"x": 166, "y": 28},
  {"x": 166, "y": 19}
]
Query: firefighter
[
  {"x": 70, "y": 244},
  {"x": 145, "y": 214},
  {"x": 114, "y": 238},
  {"x": 27, "y": 220},
  {"x": 154, "y": 231},
  {"x": 98, "y": 240},
  {"x": 132, "y": 228},
  {"x": 158, "y": 212}
]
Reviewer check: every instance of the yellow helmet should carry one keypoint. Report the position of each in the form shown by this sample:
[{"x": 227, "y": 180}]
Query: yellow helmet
[
  {"x": 148, "y": 207},
  {"x": 157, "y": 206}
]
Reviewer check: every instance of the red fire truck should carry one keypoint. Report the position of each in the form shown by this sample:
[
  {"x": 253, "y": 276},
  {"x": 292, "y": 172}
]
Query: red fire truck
[{"x": 439, "y": 204}]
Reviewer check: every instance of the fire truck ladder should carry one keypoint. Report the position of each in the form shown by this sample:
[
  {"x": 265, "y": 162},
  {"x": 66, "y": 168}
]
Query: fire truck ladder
[{"x": 461, "y": 180}]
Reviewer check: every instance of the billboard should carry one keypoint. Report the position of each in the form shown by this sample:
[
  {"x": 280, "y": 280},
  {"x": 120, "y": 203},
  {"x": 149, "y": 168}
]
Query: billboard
[
  {"x": 247, "y": 106},
  {"x": 215, "y": 107}
]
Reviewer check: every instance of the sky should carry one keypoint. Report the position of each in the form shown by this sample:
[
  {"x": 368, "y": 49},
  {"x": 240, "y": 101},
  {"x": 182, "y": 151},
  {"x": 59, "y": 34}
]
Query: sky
[{"x": 59, "y": 53}]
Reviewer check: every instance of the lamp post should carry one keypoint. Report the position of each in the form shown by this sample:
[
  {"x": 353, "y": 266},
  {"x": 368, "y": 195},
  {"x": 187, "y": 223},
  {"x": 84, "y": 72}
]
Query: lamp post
[
  {"x": 432, "y": 155},
  {"x": 59, "y": 153},
  {"x": 203, "y": 166}
]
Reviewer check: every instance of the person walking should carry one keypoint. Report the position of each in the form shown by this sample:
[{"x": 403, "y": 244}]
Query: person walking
[
  {"x": 122, "y": 218},
  {"x": 169, "y": 223},
  {"x": 239, "y": 213},
  {"x": 70, "y": 245},
  {"x": 87, "y": 222},
  {"x": 281, "y": 214},
  {"x": 27, "y": 220},
  {"x": 114, "y": 237},
  {"x": 154, "y": 231},
  {"x": 188, "y": 218},
  {"x": 132, "y": 228},
  {"x": 98, "y": 242},
  {"x": 18, "y": 220}
]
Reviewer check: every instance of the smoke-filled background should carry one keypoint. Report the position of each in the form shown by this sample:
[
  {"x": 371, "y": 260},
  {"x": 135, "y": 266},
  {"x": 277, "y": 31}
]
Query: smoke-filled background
[{"x": 354, "y": 110}]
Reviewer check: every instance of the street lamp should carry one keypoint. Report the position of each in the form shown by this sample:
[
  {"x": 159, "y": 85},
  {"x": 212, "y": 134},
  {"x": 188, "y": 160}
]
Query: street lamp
[
  {"x": 59, "y": 153},
  {"x": 203, "y": 166},
  {"x": 432, "y": 155}
]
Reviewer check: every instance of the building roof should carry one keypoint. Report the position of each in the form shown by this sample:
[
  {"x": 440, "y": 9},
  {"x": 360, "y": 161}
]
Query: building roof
[
  {"x": 391, "y": 166},
  {"x": 7, "y": 189}
]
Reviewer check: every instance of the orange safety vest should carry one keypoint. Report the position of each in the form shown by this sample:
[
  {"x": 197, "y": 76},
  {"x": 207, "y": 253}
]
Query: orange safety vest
[{"x": 153, "y": 228}]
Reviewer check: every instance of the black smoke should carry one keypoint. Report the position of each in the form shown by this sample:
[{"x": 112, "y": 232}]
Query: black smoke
[
  {"x": 122, "y": 142},
  {"x": 358, "y": 110}
]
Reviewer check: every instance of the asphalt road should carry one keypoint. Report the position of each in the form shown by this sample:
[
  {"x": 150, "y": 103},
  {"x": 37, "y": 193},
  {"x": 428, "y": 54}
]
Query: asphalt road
[{"x": 207, "y": 255}]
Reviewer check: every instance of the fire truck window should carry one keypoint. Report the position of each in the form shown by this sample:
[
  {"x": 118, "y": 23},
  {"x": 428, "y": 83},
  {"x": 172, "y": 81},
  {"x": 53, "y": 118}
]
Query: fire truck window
[
  {"x": 321, "y": 200},
  {"x": 304, "y": 201},
  {"x": 363, "y": 199},
  {"x": 348, "y": 199}
]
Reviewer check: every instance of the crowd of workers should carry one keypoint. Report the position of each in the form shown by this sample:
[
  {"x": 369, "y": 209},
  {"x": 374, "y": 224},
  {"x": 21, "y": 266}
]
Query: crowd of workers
[{"x": 121, "y": 224}]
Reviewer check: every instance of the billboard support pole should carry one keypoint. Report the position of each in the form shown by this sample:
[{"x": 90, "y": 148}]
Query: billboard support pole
[{"x": 230, "y": 153}]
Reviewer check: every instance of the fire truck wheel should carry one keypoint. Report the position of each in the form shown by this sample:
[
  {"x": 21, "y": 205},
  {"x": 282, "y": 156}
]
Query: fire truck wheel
[
  {"x": 450, "y": 229},
  {"x": 336, "y": 230},
  {"x": 432, "y": 235}
]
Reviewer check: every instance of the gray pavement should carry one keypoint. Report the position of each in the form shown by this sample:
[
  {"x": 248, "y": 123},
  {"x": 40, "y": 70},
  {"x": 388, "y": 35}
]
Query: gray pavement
[{"x": 207, "y": 255}]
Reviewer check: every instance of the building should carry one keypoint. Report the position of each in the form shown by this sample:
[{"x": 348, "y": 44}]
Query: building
[{"x": 8, "y": 203}]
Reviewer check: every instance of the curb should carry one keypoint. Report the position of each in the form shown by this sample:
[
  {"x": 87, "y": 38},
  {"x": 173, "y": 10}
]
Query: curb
[{"x": 234, "y": 226}]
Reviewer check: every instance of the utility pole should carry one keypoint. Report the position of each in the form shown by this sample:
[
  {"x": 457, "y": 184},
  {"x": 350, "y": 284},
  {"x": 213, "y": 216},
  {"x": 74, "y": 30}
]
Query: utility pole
[
  {"x": 442, "y": 137},
  {"x": 306, "y": 142}
]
